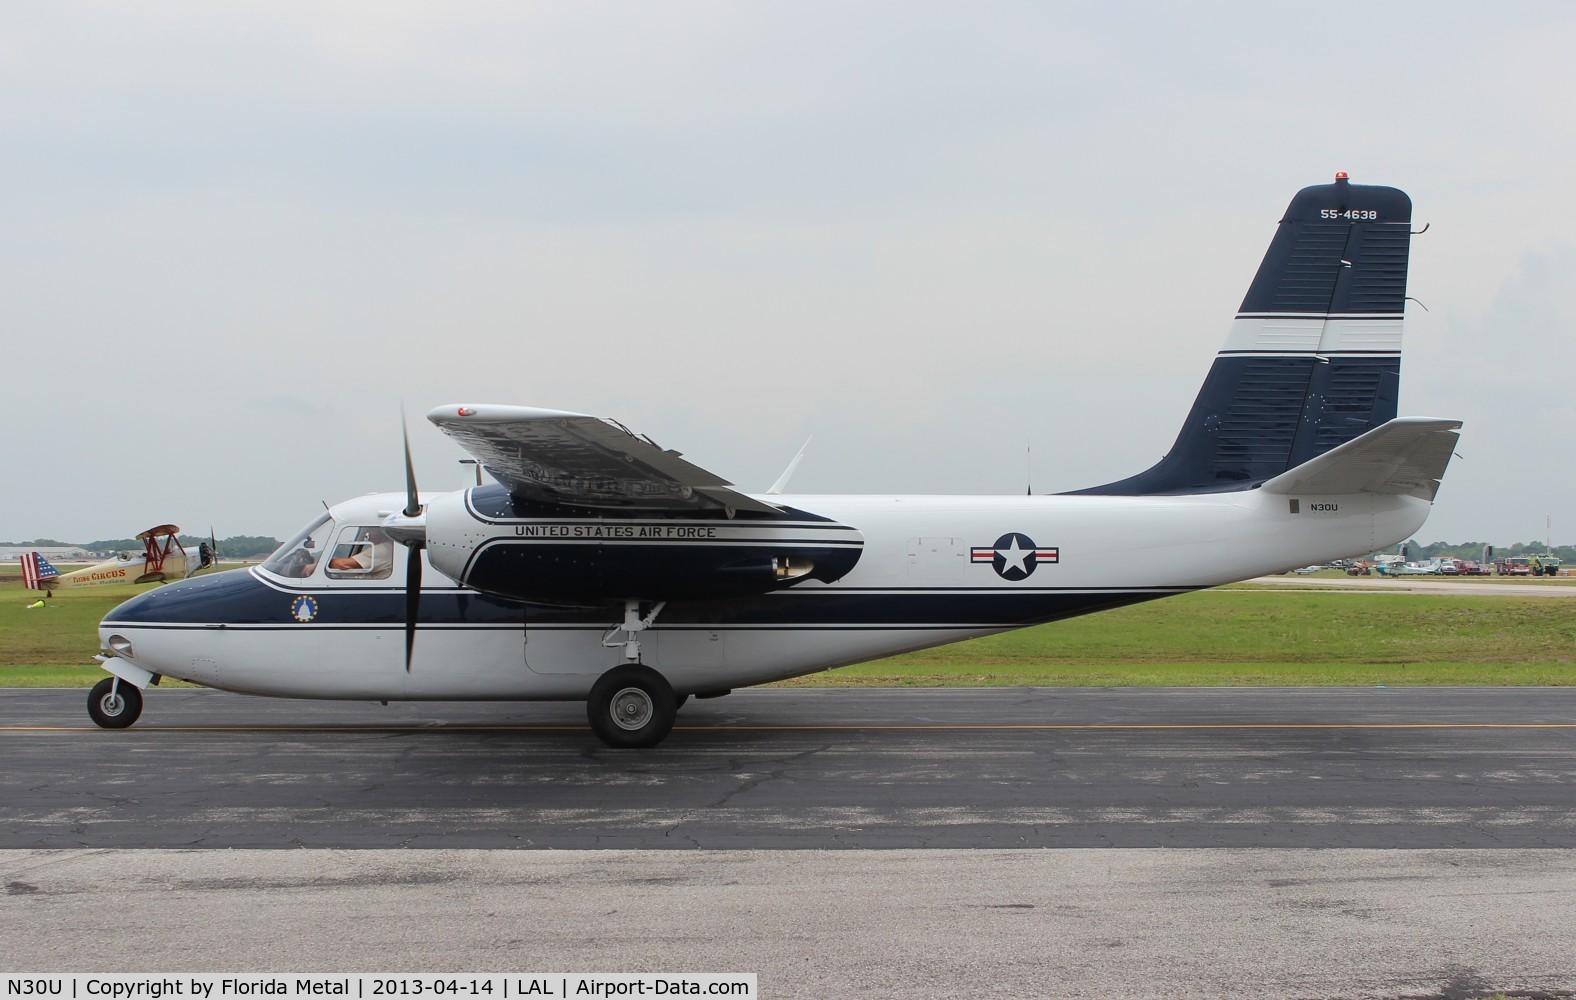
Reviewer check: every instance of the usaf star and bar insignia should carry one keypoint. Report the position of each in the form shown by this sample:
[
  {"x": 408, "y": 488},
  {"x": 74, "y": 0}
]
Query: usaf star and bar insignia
[{"x": 1014, "y": 556}]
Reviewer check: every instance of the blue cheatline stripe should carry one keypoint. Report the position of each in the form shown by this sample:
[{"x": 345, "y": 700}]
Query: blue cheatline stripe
[
  {"x": 243, "y": 601},
  {"x": 1271, "y": 352}
]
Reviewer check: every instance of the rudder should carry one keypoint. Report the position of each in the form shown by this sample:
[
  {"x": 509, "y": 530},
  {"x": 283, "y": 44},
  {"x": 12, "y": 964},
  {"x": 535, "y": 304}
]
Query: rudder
[
  {"x": 37, "y": 572},
  {"x": 1313, "y": 358}
]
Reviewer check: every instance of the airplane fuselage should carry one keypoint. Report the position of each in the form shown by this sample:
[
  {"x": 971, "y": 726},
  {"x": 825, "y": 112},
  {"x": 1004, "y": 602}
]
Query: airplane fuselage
[
  {"x": 114, "y": 572},
  {"x": 931, "y": 570}
]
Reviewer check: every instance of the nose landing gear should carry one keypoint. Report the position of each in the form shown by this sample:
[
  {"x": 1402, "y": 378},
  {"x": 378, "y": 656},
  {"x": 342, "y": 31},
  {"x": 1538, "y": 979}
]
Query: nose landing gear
[{"x": 114, "y": 703}]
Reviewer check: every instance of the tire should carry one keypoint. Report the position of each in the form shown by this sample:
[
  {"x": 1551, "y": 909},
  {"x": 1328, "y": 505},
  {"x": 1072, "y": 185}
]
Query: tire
[
  {"x": 114, "y": 708},
  {"x": 631, "y": 706}
]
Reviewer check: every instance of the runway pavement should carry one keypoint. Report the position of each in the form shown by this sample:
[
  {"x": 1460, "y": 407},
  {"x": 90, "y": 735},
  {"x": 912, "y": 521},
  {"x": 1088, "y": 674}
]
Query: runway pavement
[
  {"x": 706, "y": 854},
  {"x": 795, "y": 769},
  {"x": 1153, "y": 923}
]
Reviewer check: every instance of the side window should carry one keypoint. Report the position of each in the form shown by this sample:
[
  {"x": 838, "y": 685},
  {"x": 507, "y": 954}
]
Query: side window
[{"x": 361, "y": 553}]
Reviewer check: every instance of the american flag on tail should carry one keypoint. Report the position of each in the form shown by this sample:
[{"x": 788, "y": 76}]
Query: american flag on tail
[{"x": 35, "y": 570}]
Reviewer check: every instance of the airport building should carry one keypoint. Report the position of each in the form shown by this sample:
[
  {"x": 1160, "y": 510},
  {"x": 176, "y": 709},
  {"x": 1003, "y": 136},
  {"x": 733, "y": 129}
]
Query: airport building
[{"x": 54, "y": 553}]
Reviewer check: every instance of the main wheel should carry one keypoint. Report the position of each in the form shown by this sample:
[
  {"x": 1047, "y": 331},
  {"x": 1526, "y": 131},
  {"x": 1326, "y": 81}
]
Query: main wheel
[
  {"x": 114, "y": 706},
  {"x": 631, "y": 706}
]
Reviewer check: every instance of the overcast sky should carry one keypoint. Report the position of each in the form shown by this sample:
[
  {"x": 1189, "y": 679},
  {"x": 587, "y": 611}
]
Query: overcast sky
[{"x": 233, "y": 237}]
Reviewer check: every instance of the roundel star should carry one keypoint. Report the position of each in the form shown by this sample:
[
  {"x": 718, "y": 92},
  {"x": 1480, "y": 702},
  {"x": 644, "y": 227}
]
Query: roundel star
[
  {"x": 1013, "y": 561},
  {"x": 1014, "y": 556}
]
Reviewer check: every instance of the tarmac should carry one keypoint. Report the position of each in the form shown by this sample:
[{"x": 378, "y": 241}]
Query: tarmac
[{"x": 1398, "y": 842}]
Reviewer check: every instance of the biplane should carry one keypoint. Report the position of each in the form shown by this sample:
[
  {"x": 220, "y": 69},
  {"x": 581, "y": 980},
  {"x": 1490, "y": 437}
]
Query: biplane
[
  {"x": 163, "y": 559},
  {"x": 603, "y": 568}
]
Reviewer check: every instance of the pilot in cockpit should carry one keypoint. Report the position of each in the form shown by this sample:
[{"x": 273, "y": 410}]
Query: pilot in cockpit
[
  {"x": 299, "y": 564},
  {"x": 368, "y": 554}
]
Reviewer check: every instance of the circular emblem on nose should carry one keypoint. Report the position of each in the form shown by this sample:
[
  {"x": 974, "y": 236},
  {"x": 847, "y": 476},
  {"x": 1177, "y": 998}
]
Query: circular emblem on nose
[{"x": 303, "y": 608}]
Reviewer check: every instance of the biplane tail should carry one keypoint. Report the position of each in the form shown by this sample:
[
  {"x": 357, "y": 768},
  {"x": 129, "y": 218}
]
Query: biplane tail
[{"x": 37, "y": 574}]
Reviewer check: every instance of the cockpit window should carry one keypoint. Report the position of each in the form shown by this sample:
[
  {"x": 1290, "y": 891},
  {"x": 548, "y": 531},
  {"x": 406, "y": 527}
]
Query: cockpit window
[
  {"x": 361, "y": 553},
  {"x": 298, "y": 558}
]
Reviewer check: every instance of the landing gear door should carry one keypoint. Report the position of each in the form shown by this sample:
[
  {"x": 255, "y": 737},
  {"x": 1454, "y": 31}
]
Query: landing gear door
[
  {"x": 936, "y": 560},
  {"x": 561, "y": 649}
]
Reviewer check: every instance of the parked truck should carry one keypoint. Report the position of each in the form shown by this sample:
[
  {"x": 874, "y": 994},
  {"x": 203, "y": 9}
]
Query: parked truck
[
  {"x": 1534, "y": 565},
  {"x": 1545, "y": 565}
]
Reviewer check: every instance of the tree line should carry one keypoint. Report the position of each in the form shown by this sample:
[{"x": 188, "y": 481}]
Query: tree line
[
  {"x": 234, "y": 547},
  {"x": 1417, "y": 551}
]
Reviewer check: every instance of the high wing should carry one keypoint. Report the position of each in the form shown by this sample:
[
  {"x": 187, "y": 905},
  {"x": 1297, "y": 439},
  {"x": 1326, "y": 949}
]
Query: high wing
[
  {"x": 1404, "y": 456},
  {"x": 575, "y": 458}
]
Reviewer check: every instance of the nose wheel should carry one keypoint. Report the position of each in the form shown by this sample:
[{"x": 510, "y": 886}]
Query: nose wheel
[
  {"x": 114, "y": 703},
  {"x": 631, "y": 706}
]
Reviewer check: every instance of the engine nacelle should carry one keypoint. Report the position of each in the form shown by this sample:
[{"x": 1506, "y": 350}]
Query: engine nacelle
[{"x": 488, "y": 540}]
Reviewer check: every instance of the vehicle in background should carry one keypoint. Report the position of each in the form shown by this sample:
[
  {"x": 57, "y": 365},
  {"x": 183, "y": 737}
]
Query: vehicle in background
[
  {"x": 1471, "y": 567},
  {"x": 1398, "y": 567},
  {"x": 1539, "y": 564},
  {"x": 1545, "y": 565}
]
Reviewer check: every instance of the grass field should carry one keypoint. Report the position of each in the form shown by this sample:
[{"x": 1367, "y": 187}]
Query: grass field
[{"x": 1247, "y": 636}]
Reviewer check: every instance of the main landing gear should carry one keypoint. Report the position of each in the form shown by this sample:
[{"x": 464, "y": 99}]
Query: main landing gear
[
  {"x": 114, "y": 703},
  {"x": 632, "y": 705}
]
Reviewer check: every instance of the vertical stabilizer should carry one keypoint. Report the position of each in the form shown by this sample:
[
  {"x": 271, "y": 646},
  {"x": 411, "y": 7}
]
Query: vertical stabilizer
[
  {"x": 1313, "y": 358},
  {"x": 37, "y": 573}
]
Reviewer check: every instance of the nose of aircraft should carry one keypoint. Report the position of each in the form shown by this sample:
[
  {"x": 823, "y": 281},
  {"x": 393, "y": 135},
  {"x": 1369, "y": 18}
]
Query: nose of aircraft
[
  {"x": 145, "y": 607},
  {"x": 213, "y": 598}
]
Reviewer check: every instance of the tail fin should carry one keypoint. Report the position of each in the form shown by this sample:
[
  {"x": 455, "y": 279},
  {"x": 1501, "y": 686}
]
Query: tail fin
[
  {"x": 1313, "y": 359},
  {"x": 36, "y": 571}
]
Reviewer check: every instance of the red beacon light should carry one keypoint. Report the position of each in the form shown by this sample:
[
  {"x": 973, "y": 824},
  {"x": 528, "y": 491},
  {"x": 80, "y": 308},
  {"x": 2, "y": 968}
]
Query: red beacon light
[{"x": 1340, "y": 175}]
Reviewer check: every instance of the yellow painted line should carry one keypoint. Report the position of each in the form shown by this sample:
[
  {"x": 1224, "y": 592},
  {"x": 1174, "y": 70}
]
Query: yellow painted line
[
  {"x": 289, "y": 729},
  {"x": 1163, "y": 726},
  {"x": 852, "y": 727}
]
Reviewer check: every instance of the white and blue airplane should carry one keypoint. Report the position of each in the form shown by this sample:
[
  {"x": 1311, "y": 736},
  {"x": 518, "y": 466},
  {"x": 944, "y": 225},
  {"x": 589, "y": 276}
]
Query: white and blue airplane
[{"x": 601, "y": 567}]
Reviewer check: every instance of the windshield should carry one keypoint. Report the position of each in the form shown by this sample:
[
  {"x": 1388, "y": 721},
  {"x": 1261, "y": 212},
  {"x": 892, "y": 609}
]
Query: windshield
[{"x": 297, "y": 558}]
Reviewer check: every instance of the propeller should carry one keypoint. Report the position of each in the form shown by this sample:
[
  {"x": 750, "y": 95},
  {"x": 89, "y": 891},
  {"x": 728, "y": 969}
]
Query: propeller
[
  {"x": 409, "y": 528},
  {"x": 412, "y": 600},
  {"x": 412, "y": 504}
]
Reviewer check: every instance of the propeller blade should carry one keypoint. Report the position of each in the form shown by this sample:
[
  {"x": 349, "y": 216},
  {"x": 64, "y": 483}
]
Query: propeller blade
[
  {"x": 412, "y": 505},
  {"x": 412, "y": 600},
  {"x": 413, "y": 535}
]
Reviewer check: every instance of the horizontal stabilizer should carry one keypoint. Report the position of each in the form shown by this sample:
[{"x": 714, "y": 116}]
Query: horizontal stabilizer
[{"x": 1407, "y": 456}]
